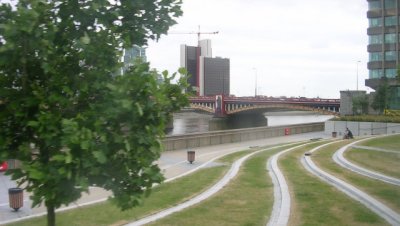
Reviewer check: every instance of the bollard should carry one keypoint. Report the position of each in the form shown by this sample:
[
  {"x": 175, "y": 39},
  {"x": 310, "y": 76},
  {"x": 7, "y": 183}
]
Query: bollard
[
  {"x": 16, "y": 198},
  {"x": 191, "y": 156},
  {"x": 3, "y": 166},
  {"x": 334, "y": 134},
  {"x": 287, "y": 131}
]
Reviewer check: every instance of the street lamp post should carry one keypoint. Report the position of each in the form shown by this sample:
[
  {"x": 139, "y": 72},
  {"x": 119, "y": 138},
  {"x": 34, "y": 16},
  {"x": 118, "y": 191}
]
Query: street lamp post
[
  {"x": 223, "y": 85},
  {"x": 357, "y": 73},
  {"x": 255, "y": 85}
]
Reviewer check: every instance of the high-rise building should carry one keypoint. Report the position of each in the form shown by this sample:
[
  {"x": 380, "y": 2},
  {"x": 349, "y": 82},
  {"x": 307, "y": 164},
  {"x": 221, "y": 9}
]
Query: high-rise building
[
  {"x": 216, "y": 75},
  {"x": 208, "y": 76},
  {"x": 189, "y": 60},
  {"x": 130, "y": 57},
  {"x": 132, "y": 54},
  {"x": 384, "y": 47}
]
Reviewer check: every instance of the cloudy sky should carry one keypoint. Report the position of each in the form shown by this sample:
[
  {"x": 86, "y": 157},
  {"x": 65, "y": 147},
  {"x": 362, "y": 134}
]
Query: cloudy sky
[{"x": 297, "y": 48}]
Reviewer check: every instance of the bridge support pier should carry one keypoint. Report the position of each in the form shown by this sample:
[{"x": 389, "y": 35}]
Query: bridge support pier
[
  {"x": 218, "y": 123},
  {"x": 237, "y": 121}
]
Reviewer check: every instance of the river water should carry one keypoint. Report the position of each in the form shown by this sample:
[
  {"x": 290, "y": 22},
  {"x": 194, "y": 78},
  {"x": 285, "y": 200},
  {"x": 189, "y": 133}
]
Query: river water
[{"x": 193, "y": 122}]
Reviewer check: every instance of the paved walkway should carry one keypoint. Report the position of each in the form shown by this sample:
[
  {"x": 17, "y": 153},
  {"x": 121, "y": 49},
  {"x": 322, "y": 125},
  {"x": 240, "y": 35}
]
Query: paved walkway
[{"x": 172, "y": 163}]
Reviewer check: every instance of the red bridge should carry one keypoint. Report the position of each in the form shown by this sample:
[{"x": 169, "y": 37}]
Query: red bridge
[{"x": 222, "y": 106}]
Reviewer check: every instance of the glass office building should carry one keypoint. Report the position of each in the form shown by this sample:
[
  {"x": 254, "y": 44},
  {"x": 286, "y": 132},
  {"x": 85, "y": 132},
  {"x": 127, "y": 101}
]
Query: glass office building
[
  {"x": 383, "y": 47},
  {"x": 134, "y": 53}
]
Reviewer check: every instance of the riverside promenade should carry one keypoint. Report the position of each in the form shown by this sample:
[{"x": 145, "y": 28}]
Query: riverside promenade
[{"x": 172, "y": 163}]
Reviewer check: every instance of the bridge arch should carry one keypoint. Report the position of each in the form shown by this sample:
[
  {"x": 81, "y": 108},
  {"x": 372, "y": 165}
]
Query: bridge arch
[
  {"x": 265, "y": 108},
  {"x": 222, "y": 106},
  {"x": 201, "y": 107}
]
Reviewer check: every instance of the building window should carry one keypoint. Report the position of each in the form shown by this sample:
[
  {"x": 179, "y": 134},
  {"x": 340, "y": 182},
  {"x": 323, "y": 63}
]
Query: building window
[
  {"x": 375, "y": 22},
  {"x": 375, "y": 39},
  {"x": 389, "y": 4},
  {"x": 390, "y": 38},
  {"x": 390, "y": 55},
  {"x": 375, "y": 73},
  {"x": 390, "y": 21},
  {"x": 374, "y": 5},
  {"x": 394, "y": 98},
  {"x": 390, "y": 47},
  {"x": 390, "y": 73},
  {"x": 377, "y": 56}
]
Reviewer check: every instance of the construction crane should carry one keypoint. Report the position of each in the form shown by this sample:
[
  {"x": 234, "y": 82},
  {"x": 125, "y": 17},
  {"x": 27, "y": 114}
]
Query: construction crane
[{"x": 194, "y": 32}]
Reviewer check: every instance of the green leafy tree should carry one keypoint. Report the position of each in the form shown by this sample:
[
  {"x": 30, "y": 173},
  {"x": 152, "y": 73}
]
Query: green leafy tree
[
  {"x": 381, "y": 98},
  {"x": 64, "y": 112},
  {"x": 360, "y": 104},
  {"x": 398, "y": 73}
]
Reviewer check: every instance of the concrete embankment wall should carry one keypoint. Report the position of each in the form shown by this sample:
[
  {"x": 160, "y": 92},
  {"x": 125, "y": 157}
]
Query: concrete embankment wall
[
  {"x": 237, "y": 135},
  {"x": 361, "y": 128}
]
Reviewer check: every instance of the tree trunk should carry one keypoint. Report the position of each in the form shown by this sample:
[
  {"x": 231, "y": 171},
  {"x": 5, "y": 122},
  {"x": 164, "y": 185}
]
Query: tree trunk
[{"x": 51, "y": 215}]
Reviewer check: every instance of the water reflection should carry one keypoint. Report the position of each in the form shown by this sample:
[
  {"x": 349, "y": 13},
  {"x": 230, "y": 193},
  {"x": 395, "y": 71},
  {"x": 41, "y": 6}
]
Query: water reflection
[
  {"x": 192, "y": 122},
  {"x": 295, "y": 117}
]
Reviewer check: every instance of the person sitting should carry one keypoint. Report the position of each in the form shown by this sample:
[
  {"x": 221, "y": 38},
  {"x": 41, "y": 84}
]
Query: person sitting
[{"x": 348, "y": 134}]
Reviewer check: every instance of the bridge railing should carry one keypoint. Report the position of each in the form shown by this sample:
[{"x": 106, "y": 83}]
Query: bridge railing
[{"x": 268, "y": 100}]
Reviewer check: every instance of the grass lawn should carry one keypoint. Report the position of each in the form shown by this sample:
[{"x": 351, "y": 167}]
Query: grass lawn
[
  {"x": 389, "y": 142},
  {"x": 386, "y": 193},
  {"x": 382, "y": 162},
  {"x": 246, "y": 200},
  {"x": 315, "y": 202},
  {"x": 162, "y": 196}
]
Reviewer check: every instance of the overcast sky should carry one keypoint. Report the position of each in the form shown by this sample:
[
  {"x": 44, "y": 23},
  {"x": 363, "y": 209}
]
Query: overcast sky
[{"x": 297, "y": 48}]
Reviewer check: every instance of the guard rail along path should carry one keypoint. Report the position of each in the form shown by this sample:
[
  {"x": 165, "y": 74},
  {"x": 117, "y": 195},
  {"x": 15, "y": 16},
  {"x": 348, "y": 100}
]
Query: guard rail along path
[{"x": 376, "y": 206}]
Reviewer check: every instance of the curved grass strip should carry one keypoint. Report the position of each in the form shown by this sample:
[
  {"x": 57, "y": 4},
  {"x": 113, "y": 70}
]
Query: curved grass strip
[
  {"x": 162, "y": 196},
  {"x": 381, "y": 154},
  {"x": 247, "y": 200},
  {"x": 387, "y": 193},
  {"x": 281, "y": 209},
  {"x": 379, "y": 208},
  {"x": 203, "y": 196},
  {"x": 385, "y": 162},
  {"x": 391, "y": 142},
  {"x": 316, "y": 203},
  {"x": 339, "y": 159}
]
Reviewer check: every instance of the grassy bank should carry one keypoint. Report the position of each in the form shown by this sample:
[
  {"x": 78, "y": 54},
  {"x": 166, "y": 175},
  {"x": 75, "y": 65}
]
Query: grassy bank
[
  {"x": 163, "y": 196},
  {"x": 247, "y": 200},
  {"x": 388, "y": 194},
  {"x": 315, "y": 202},
  {"x": 383, "y": 162},
  {"x": 387, "y": 142}
]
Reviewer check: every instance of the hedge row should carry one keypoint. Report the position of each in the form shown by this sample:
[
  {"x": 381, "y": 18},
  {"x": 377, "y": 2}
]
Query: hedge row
[{"x": 369, "y": 118}]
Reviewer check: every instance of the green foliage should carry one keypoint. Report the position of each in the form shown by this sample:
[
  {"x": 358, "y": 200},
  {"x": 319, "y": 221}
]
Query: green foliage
[
  {"x": 398, "y": 73},
  {"x": 381, "y": 97},
  {"x": 369, "y": 118},
  {"x": 360, "y": 104},
  {"x": 63, "y": 111}
]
